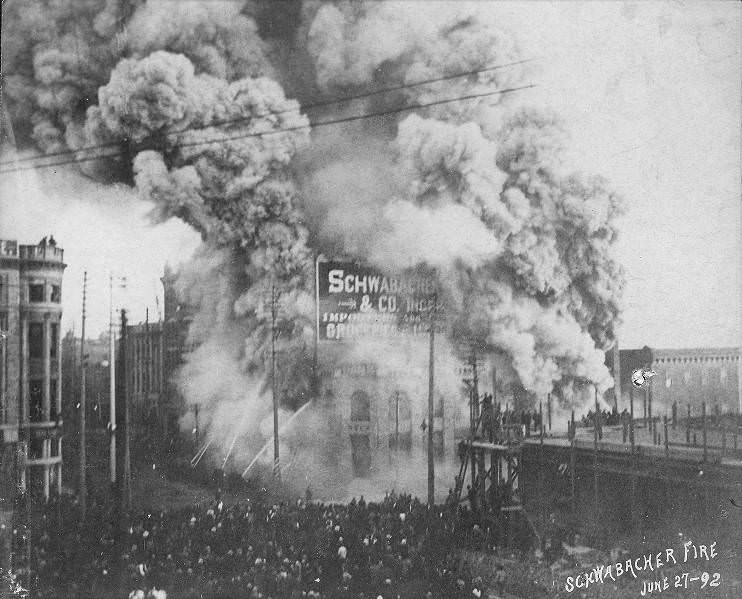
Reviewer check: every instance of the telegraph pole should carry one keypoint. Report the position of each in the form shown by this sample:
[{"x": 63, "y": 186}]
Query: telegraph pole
[
  {"x": 112, "y": 386},
  {"x": 595, "y": 460},
  {"x": 276, "y": 461},
  {"x": 396, "y": 421},
  {"x": 431, "y": 408},
  {"x": 126, "y": 486},
  {"x": 83, "y": 409}
]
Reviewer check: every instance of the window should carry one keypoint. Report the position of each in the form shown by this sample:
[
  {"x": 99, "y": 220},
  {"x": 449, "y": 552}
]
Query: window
[
  {"x": 56, "y": 294},
  {"x": 54, "y": 340},
  {"x": 53, "y": 399},
  {"x": 360, "y": 406},
  {"x": 36, "y": 401},
  {"x": 54, "y": 449},
  {"x": 36, "y": 448},
  {"x": 36, "y": 293},
  {"x": 36, "y": 340}
]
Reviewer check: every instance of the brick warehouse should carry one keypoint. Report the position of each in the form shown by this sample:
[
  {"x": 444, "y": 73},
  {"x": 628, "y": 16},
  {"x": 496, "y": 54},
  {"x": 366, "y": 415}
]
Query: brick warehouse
[{"x": 688, "y": 376}]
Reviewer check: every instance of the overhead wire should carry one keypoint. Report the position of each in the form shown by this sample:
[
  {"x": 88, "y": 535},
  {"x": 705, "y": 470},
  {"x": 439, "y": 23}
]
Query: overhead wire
[
  {"x": 310, "y": 125},
  {"x": 311, "y": 106}
]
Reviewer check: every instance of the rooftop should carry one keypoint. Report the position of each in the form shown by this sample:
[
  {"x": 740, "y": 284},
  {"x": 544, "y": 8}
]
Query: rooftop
[{"x": 46, "y": 250}]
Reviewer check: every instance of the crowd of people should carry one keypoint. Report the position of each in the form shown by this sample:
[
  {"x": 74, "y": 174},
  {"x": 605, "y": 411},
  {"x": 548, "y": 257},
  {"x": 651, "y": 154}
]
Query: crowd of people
[
  {"x": 263, "y": 548},
  {"x": 499, "y": 424},
  {"x": 606, "y": 418}
]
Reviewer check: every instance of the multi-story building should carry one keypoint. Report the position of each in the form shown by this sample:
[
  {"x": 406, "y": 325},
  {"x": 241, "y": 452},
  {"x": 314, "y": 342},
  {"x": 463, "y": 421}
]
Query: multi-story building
[
  {"x": 175, "y": 345},
  {"x": 373, "y": 368},
  {"x": 153, "y": 354},
  {"x": 31, "y": 361},
  {"x": 689, "y": 377},
  {"x": 97, "y": 388},
  {"x": 144, "y": 365}
]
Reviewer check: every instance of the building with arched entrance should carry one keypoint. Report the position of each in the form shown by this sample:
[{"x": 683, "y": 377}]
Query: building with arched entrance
[{"x": 379, "y": 418}]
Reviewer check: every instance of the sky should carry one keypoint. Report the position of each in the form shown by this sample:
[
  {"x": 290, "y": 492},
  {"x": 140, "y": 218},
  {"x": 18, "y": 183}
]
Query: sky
[{"x": 651, "y": 94}]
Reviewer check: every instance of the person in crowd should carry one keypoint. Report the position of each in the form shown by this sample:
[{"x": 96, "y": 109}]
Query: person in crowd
[{"x": 260, "y": 548}]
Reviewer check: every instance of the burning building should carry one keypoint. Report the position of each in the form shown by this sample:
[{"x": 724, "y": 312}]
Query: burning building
[
  {"x": 281, "y": 134},
  {"x": 373, "y": 365}
]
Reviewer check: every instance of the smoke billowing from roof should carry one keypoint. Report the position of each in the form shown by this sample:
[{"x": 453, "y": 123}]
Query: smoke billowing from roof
[{"x": 473, "y": 188}]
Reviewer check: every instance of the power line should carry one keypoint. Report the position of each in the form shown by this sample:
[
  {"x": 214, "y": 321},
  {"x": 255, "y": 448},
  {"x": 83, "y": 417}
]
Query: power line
[
  {"x": 310, "y": 125},
  {"x": 320, "y": 104}
]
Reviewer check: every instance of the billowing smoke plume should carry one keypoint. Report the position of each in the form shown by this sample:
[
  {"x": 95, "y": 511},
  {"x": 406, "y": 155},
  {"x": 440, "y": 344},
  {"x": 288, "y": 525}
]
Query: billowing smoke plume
[
  {"x": 357, "y": 44},
  {"x": 187, "y": 98}
]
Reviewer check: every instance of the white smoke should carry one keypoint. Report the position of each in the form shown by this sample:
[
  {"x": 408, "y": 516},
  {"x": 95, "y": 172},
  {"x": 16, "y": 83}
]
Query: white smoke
[{"x": 440, "y": 237}]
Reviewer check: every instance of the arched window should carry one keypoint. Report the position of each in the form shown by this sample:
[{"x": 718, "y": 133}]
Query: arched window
[{"x": 360, "y": 406}]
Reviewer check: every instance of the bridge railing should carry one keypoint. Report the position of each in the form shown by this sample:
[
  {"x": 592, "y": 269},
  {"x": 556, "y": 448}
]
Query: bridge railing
[{"x": 657, "y": 432}]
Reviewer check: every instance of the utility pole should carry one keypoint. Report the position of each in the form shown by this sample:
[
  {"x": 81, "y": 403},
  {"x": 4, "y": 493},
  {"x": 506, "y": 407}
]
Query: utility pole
[
  {"x": 431, "y": 409},
  {"x": 473, "y": 418},
  {"x": 83, "y": 490},
  {"x": 475, "y": 379},
  {"x": 276, "y": 461},
  {"x": 595, "y": 461},
  {"x": 112, "y": 385},
  {"x": 126, "y": 486},
  {"x": 396, "y": 421},
  {"x": 112, "y": 382}
]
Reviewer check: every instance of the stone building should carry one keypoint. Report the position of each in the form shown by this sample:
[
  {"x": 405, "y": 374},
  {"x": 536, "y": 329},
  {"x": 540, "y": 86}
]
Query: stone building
[
  {"x": 31, "y": 361},
  {"x": 376, "y": 414}
]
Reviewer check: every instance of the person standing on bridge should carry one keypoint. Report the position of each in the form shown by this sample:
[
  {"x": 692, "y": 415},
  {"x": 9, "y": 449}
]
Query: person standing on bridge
[{"x": 625, "y": 421}]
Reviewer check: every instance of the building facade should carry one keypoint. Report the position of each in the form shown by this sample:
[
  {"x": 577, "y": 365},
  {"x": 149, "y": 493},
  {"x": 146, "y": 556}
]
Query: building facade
[
  {"x": 178, "y": 316},
  {"x": 375, "y": 419},
  {"x": 145, "y": 373},
  {"x": 97, "y": 388},
  {"x": 373, "y": 368},
  {"x": 690, "y": 377},
  {"x": 154, "y": 351},
  {"x": 31, "y": 361}
]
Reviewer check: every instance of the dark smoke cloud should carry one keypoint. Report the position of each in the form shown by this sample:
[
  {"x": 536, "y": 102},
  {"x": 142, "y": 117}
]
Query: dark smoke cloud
[{"x": 475, "y": 189}]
